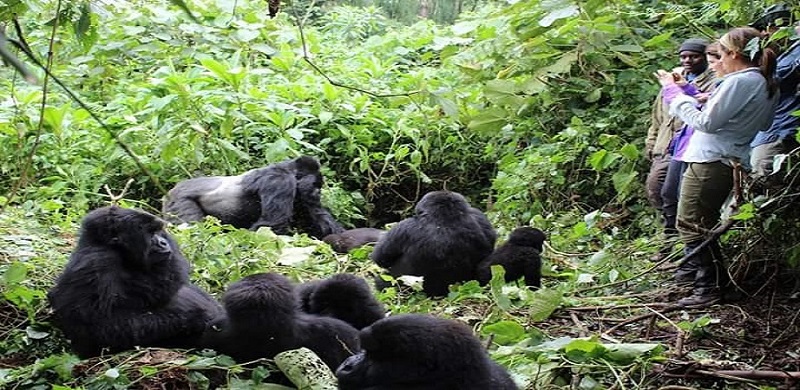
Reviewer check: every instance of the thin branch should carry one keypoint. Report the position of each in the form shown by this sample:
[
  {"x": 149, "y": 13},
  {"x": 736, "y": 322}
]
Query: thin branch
[
  {"x": 28, "y": 161},
  {"x": 94, "y": 116},
  {"x": 322, "y": 73}
]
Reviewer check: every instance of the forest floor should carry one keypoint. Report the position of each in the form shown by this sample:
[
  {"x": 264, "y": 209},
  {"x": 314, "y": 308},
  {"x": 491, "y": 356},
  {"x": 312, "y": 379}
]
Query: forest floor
[{"x": 752, "y": 343}]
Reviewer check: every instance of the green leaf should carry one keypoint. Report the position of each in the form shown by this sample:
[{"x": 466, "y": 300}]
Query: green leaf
[
  {"x": 623, "y": 179},
  {"x": 658, "y": 39},
  {"x": 583, "y": 350},
  {"x": 628, "y": 353},
  {"x": 627, "y": 48},
  {"x": 542, "y": 303},
  {"x": 630, "y": 152},
  {"x": 230, "y": 147},
  {"x": 505, "y": 332},
  {"x": 15, "y": 274},
  {"x": 497, "y": 283},
  {"x": 489, "y": 121}
]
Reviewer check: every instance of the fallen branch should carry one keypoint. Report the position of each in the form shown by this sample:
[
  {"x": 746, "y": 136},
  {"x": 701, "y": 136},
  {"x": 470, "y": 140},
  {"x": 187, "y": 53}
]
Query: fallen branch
[
  {"x": 643, "y": 317},
  {"x": 754, "y": 374},
  {"x": 618, "y": 307}
]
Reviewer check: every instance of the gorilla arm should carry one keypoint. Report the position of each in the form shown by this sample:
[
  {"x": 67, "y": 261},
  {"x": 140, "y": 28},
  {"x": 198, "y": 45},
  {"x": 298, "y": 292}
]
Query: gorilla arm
[
  {"x": 275, "y": 187},
  {"x": 390, "y": 247},
  {"x": 321, "y": 222}
]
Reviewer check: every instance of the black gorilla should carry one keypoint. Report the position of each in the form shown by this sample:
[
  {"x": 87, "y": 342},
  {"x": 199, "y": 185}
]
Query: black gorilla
[
  {"x": 262, "y": 319},
  {"x": 281, "y": 196},
  {"x": 421, "y": 352},
  {"x": 349, "y": 239},
  {"x": 127, "y": 284},
  {"x": 443, "y": 242},
  {"x": 343, "y": 296},
  {"x": 519, "y": 256}
]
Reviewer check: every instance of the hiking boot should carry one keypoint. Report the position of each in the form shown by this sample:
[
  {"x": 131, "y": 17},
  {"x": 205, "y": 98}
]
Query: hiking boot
[
  {"x": 699, "y": 300},
  {"x": 684, "y": 275}
]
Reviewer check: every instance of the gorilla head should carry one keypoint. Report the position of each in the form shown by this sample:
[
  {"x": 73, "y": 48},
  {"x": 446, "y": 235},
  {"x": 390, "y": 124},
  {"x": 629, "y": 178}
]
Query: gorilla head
[
  {"x": 262, "y": 319},
  {"x": 421, "y": 352},
  {"x": 443, "y": 242},
  {"x": 127, "y": 284},
  {"x": 343, "y": 296},
  {"x": 519, "y": 256}
]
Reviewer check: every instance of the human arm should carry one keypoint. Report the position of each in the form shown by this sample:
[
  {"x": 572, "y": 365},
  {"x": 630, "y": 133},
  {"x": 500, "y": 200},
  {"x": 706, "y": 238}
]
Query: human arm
[{"x": 729, "y": 100}]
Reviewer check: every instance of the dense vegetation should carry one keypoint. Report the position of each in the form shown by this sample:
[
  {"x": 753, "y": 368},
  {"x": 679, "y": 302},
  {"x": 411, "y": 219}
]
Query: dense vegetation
[{"x": 535, "y": 110}]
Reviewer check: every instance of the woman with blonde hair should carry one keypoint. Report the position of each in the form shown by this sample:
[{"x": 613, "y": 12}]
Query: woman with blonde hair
[{"x": 742, "y": 105}]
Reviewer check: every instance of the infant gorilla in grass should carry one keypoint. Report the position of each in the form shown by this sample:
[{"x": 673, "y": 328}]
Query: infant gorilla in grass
[
  {"x": 421, "y": 352},
  {"x": 520, "y": 256},
  {"x": 262, "y": 319},
  {"x": 443, "y": 242},
  {"x": 126, "y": 285}
]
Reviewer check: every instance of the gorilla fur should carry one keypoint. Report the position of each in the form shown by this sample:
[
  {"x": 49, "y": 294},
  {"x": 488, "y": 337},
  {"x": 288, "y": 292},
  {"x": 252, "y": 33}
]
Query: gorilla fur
[
  {"x": 282, "y": 195},
  {"x": 126, "y": 285},
  {"x": 262, "y": 319},
  {"x": 443, "y": 242},
  {"x": 343, "y": 296},
  {"x": 350, "y": 239},
  {"x": 519, "y": 256},
  {"x": 421, "y": 352}
]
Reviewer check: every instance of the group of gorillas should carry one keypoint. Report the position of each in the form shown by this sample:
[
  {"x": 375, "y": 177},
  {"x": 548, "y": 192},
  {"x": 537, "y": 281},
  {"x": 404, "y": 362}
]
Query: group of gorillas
[{"x": 127, "y": 284}]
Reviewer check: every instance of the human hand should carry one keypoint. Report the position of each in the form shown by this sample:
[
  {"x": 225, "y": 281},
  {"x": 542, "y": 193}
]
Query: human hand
[
  {"x": 702, "y": 97},
  {"x": 664, "y": 78}
]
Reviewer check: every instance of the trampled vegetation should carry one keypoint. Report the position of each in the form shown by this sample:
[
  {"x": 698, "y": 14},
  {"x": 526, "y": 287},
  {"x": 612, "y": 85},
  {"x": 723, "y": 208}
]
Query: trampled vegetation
[{"x": 534, "y": 110}]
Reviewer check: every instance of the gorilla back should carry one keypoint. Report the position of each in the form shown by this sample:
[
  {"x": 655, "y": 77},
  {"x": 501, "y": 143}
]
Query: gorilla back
[
  {"x": 421, "y": 352},
  {"x": 443, "y": 242},
  {"x": 280, "y": 196},
  {"x": 127, "y": 284}
]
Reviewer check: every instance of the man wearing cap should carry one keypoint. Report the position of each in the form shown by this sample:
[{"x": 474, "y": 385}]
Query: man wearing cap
[
  {"x": 663, "y": 126},
  {"x": 780, "y": 138}
]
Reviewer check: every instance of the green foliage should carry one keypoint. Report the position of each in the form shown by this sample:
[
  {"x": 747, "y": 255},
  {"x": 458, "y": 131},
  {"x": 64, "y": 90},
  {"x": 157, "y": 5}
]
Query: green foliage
[{"x": 535, "y": 108}]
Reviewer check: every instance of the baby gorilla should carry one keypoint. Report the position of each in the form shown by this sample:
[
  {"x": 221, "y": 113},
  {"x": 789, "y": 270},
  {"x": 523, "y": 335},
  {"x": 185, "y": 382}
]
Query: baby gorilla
[
  {"x": 421, "y": 352},
  {"x": 262, "y": 320},
  {"x": 343, "y": 296},
  {"x": 126, "y": 285},
  {"x": 519, "y": 256},
  {"x": 443, "y": 242}
]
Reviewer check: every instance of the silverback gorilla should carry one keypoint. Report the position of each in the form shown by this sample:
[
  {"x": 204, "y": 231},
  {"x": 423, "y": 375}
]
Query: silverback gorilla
[
  {"x": 280, "y": 196},
  {"x": 126, "y": 285},
  {"x": 443, "y": 242},
  {"x": 519, "y": 256},
  {"x": 421, "y": 352},
  {"x": 262, "y": 319},
  {"x": 343, "y": 296}
]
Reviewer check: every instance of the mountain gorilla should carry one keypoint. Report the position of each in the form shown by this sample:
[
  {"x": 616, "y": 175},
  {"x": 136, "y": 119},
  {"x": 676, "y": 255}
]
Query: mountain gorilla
[
  {"x": 343, "y": 296},
  {"x": 126, "y": 285},
  {"x": 262, "y": 319},
  {"x": 349, "y": 239},
  {"x": 443, "y": 242},
  {"x": 519, "y": 256},
  {"x": 281, "y": 196},
  {"x": 421, "y": 352}
]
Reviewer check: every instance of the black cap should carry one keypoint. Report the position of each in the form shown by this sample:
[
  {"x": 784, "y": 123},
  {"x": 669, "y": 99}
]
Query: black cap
[
  {"x": 697, "y": 45},
  {"x": 772, "y": 15}
]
